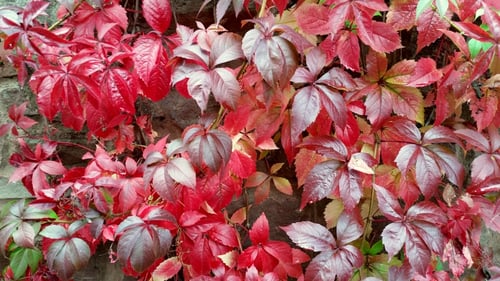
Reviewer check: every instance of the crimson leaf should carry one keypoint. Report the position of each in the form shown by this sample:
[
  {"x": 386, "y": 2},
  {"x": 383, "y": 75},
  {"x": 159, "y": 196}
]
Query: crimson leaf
[
  {"x": 157, "y": 13},
  {"x": 150, "y": 60}
]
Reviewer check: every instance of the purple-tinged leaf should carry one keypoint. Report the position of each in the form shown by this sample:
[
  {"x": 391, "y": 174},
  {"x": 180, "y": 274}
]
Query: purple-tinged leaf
[
  {"x": 349, "y": 187},
  {"x": 448, "y": 164},
  {"x": 327, "y": 146},
  {"x": 348, "y": 229},
  {"x": 440, "y": 134},
  {"x": 67, "y": 256},
  {"x": 211, "y": 148},
  {"x": 425, "y": 73},
  {"x": 311, "y": 236},
  {"x": 400, "y": 130},
  {"x": 474, "y": 138},
  {"x": 388, "y": 203},
  {"x": 418, "y": 254},
  {"x": 320, "y": 182},
  {"x": 140, "y": 243},
  {"x": 52, "y": 167},
  {"x": 225, "y": 87},
  {"x": 24, "y": 235},
  {"x": 305, "y": 108},
  {"x": 394, "y": 236}
]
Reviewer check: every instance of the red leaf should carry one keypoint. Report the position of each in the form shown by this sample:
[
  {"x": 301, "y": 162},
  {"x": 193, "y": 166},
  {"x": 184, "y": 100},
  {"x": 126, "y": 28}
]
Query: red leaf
[
  {"x": 401, "y": 14},
  {"x": 157, "y": 13},
  {"x": 425, "y": 73},
  {"x": 380, "y": 36},
  {"x": 429, "y": 26},
  {"x": 150, "y": 61},
  {"x": 259, "y": 233},
  {"x": 348, "y": 49},
  {"x": 312, "y": 18},
  {"x": 483, "y": 110}
]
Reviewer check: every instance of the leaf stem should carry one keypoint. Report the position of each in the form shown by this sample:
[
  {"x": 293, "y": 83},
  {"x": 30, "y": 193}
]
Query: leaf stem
[
  {"x": 65, "y": 17},
  {"x": 262, "y": 9}
]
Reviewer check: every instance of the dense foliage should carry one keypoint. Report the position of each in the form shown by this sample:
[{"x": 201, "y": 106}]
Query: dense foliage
[{"x": 387, "y": 111}]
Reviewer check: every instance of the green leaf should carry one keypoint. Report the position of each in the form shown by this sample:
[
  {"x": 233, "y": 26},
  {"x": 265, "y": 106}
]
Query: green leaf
[
  {"x": 422, "y": 6},
  {"x": 376, "y": 248},
  {"x": 442, "y": 7},
  {"x": 22, "y": 258},
  {"x": 475, "y": 47}
]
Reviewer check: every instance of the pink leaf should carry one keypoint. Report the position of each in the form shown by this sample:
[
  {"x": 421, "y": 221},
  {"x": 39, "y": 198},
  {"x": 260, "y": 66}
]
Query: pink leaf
[
  {"x": 182, "y": 172},
  {"x": 348, "y": 229},
  {"x": 309, "y": 235},
  {"x": 167, "y": 269}
]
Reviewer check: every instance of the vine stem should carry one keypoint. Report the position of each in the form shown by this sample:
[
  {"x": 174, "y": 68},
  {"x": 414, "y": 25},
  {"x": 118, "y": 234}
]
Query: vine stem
[{"x": 368, "y": 219}]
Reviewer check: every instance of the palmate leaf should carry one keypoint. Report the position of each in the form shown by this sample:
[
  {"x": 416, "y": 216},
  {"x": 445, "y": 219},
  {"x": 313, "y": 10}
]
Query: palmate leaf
[
  {"x": 337, "y": 258},
  {"x": 206, "y": 72},
  {"x": 429, "y": 159},
  {"x": 275, "y": 57},
  {"x": 23, "y": 258},
  {"x": 208, "y": 147},
  {"x": 341, "y": 175},
  {"x": 417, "y": 229},
  {"x": 67, "y": 254},
  {"x": 164, "y": 175},
  {"x": 144, "y": 237},
  {"x": 269, "y": 255}
]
